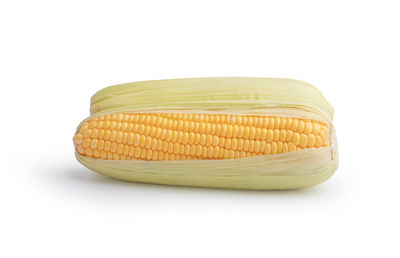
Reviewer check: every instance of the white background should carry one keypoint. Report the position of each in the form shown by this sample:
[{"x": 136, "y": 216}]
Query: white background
[{"x": 55, "y": 54}]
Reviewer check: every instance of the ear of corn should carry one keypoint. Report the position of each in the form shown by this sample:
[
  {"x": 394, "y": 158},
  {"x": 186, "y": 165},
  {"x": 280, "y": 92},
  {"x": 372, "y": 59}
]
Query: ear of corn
[{"x": 248, "y": 133}]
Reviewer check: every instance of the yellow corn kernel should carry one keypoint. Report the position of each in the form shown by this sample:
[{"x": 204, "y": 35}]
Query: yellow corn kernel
[{"x": 183, "y": 141}]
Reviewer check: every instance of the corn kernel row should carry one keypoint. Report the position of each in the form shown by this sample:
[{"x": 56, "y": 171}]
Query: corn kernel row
[
  {"x": 183, "y": 152},
  {"x": 190, "y": 122}
]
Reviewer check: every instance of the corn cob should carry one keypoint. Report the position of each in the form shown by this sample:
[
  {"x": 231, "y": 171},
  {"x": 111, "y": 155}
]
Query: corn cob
[
  {"x": 268, "y": 134},
  {"x": 166, "y": 136}
]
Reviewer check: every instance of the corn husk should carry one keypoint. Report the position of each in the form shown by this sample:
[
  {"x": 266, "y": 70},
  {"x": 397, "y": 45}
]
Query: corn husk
[{"x": 248, "y": 96}]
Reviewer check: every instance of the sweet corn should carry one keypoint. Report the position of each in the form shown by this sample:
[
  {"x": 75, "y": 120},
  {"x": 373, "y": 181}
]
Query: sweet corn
[
  {"x": 248, "y": 133},
  {"x": 177, "y": 136}
]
